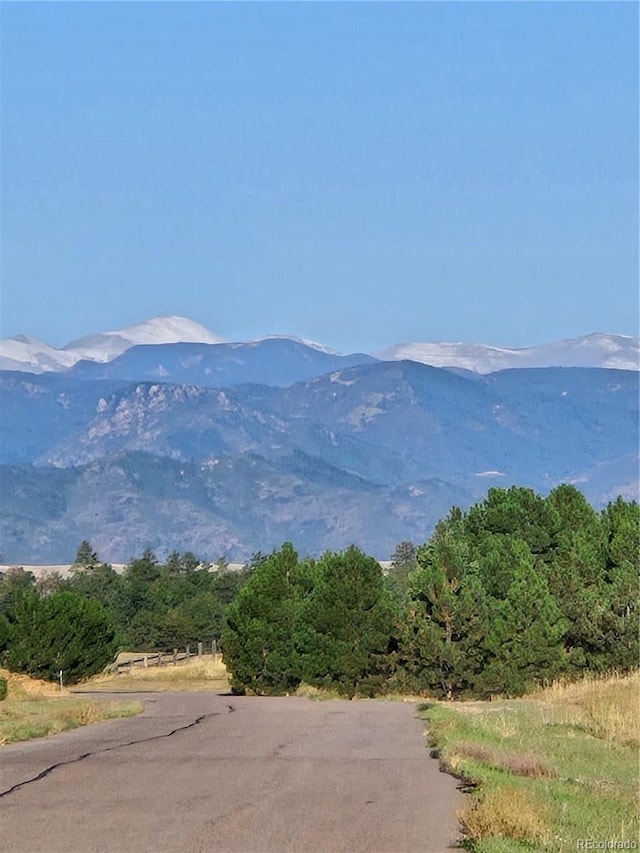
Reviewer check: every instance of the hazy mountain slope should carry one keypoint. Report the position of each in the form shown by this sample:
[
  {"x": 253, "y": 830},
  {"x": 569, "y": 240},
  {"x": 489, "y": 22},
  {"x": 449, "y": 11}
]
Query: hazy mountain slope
[
  {"x": 273, "y": 361},
  {"x": 411, "y": 419},
  {"x": 232, "y": 508},
  {"x": 531, "y": 426},
  {"x": 37, "y": 412}
]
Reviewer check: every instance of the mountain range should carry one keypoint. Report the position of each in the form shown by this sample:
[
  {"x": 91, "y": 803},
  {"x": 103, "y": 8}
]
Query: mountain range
[
  {"x": 229, "y": 448},
  {"x": 28, "y": 354}
]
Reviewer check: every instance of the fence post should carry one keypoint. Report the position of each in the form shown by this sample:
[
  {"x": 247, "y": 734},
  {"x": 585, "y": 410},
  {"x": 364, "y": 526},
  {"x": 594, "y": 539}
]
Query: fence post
[
  {"x": 188, "y": 651},
  {"x": 199, "y": 650},
  {"x": 146, "y": 662},
  {"x": 175, "y": 657},
  {"x": 214, "y": 648}
]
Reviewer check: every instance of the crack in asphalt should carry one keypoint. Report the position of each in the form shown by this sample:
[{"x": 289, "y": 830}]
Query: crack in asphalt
[{"x": 84, "y": 755}]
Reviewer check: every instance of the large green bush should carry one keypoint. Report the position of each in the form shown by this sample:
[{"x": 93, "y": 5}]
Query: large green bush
[
  {"x": 329, "y": 623},
  {"x": 350, "y": 621},
  {"x": 60, "y": 632},
  {"x": 259, "y": 638}
]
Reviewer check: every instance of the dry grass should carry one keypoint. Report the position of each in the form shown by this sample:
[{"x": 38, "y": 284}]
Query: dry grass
[
  {"x": 507, "y": 813},
  {"x": 518, "y": 763},
  {"x": 606, "y": 708},
  {"x": 35, "y": 708},
  {"x": 204, "y": 673},
  {"x": 23, "y": 686},
  {"x": 309, "y": 691}
]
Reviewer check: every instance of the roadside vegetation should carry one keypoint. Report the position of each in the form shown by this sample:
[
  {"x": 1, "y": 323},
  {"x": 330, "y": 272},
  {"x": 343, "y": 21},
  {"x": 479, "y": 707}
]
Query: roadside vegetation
[
  {"x": 549, "y": 770},
  {"x": 35, "y": 708}
]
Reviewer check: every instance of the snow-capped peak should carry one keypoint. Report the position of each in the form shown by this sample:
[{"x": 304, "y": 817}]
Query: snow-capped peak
[
  {"x": 621, "y": 352},
  {"x": 304, "y": 341},
  {"x": 105, "y": 346},
  {"x": 33, "y": 356},
  {"x": 25, "y": 353}
]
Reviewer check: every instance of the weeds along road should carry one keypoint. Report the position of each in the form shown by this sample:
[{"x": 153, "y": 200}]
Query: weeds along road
[{"x": 225, "y": 774}]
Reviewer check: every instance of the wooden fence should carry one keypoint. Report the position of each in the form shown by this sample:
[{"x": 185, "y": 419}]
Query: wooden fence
[{"x": 166, "y": 658}]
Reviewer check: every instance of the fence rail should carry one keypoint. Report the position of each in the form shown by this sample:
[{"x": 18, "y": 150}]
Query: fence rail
[{"x": 164, "y": 658}]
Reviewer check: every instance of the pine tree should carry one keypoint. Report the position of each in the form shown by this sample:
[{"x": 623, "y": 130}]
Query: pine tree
[
  {"x": 444, "y": 647},
  {"x": 60, "y": 632},
  {"x": 403, "y": 561},
  {"x": 258, "y": 640},
  {"x": 517, "y": 512},
  {"x": 86, "y": 558},
  {"x": 526, "y": 635},
  {"x": 348, "y": 622},
  {"x": 621, "y": 522}
]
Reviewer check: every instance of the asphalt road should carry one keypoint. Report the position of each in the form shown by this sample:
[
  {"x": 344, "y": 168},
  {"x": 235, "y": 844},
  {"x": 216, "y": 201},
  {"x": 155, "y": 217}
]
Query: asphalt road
[{"x": 205, "y": 773}]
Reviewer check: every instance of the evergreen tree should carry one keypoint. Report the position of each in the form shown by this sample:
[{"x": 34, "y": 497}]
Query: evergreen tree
[
  {"x": 444, "y": 648},
  {"x": 13, "y": 583},
  {"x": 60, "y": 632},
  {"x": 86, "y": 557},
  {"x": 498, "y": 555},
  {"x": 100, "y": 583},
  {"x": 525, "y": 637},
  {"x": 576, "y": 578},
  {"x": 257, "y": 641},
  {"x": 403, "y": 561},
  {"x": 517, "y": 512},
  {"x": 621, "y": 522},
  {"x": 349, "y": 623},
  {"x": 136, "y": 591}
]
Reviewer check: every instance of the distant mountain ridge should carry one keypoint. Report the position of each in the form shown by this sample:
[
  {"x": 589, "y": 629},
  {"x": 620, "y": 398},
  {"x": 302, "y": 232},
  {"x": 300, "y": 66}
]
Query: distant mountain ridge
[
  {"x": 369, "y": 454},
  {"x": 617, "y": 352},
  {"x": 27, "y": 354},
  {"x": 276, "y": 361}
]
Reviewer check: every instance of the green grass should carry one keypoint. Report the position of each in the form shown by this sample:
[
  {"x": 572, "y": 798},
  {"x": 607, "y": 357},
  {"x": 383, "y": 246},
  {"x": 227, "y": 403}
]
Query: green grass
[
  {"x": 33, "y": 718},
  {"x": 547, "y": 770},
  {"x": 35, "y": 708}
]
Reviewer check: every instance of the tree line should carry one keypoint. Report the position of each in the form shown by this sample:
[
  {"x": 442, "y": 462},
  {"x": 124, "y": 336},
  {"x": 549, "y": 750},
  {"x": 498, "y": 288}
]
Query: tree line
[
  {"x": 78, "y": 623},
  {"x": 516, "y": 591}
]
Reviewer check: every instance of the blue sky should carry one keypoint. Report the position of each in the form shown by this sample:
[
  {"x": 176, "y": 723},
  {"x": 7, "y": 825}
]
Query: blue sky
[{"x": 360, "y": 174}]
